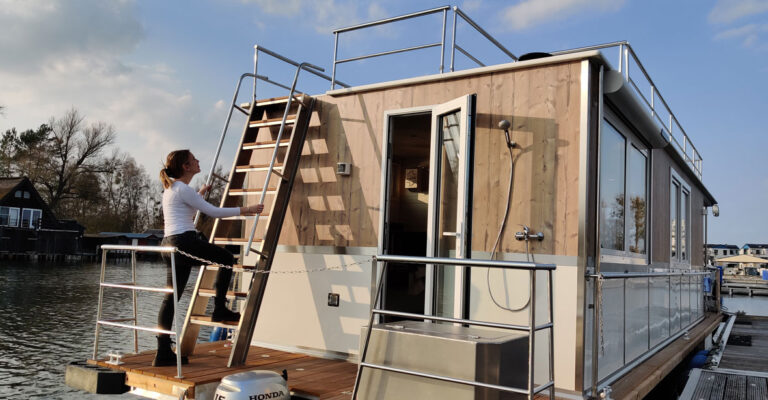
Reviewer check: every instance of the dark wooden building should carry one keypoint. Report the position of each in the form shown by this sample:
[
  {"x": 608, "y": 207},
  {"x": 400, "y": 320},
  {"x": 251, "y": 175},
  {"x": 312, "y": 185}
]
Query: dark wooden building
[{"x": 28, "y": 226}]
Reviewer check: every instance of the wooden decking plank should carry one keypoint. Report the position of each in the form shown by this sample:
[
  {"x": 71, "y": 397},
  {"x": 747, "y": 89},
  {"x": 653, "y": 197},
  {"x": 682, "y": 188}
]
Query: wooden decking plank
[
  {"x": 756, "y": 388},
  {"x": 736, "y": 387},
  {"x": 718, "y": 387},
  {"x": 704, "y": 386}
]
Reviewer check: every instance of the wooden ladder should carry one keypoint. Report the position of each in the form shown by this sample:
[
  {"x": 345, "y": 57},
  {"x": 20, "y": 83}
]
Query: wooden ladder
[{"x": 261, "y": 140}]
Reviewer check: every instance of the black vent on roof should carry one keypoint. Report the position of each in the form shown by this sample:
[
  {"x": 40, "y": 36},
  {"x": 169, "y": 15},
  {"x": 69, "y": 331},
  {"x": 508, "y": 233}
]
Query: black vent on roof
[{"x": 533, "y": 56}]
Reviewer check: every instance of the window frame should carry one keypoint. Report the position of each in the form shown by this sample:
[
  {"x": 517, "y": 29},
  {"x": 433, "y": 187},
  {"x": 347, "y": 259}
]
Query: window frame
[
  {"x": 630, "y": 141},
  {"x": 31, "y": 217},
  {"x": 683, "y": 188}
]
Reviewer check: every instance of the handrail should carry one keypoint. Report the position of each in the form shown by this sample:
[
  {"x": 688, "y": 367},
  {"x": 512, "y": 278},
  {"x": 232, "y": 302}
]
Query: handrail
[
  {"x": 671, "y": 126},
  {"x": 531, "y": 328},
  {"x": 133, "y": 287},
  {"x": 444, "y": 10}
]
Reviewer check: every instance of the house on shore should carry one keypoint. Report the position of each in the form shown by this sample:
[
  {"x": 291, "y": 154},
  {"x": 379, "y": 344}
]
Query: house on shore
[{"x": 28, "y": 226}]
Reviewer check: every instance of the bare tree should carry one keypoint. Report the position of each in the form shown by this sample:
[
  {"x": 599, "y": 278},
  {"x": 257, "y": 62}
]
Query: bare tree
[{"x": 75, "y": 149}]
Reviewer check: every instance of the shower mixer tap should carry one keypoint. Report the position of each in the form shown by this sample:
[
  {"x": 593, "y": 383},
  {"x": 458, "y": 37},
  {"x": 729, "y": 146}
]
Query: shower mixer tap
[{"x": 527, "y": 235}]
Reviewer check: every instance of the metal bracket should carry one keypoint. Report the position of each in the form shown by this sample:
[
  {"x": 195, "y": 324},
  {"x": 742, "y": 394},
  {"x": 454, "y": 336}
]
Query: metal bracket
[{"x": 115, "y": 357}]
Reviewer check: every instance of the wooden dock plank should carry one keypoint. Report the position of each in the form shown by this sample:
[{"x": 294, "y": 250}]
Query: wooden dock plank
[
  {"x": 704, "y": 386},
  {"x": 756, "y": 388},
  {"x": 736, "y": 387},
  {"x": 718, "y": 387},
  {"x": 748, "y": 357},
  {"x": 324, "y": 378}
]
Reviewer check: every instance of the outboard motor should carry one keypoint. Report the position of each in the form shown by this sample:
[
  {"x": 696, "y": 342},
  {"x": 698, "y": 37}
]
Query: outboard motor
[{"x": 253, "y": 385}]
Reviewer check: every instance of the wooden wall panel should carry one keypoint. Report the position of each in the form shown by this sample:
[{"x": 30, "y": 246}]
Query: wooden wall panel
[{"x": 541, "y": 103}]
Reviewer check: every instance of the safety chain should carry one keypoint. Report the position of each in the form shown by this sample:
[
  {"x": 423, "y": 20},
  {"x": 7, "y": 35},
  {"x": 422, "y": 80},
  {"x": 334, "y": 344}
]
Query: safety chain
[{"x": 339, "y": 267}]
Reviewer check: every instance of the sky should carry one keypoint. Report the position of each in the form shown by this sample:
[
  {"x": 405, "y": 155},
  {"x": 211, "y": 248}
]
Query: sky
[{"x": 163, "y": 72}]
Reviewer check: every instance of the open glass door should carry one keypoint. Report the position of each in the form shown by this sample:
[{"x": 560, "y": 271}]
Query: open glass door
[{"x": 449, "y": 223}]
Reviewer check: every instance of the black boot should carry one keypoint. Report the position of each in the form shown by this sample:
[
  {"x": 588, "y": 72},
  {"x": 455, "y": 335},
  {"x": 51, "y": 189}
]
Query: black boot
[
  {"x": 221, "y": 313},
  {"x": 165, "y": 356}
]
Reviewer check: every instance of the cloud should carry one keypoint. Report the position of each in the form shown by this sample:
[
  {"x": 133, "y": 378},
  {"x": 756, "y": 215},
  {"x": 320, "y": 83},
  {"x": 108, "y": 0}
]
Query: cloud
[
  {"x": 323, "y": 15},
  {"x": 727, "y": 11},
  {"x": 77, "y": 54},
  {"x": 529, "y": 13},
  {"x": 750, "y": 34}
]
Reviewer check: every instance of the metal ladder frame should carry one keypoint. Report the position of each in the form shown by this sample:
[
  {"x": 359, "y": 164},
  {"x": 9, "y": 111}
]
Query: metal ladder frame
[
  {"x": 133, "y": 287},
  {"x": 531, "y": 328}
]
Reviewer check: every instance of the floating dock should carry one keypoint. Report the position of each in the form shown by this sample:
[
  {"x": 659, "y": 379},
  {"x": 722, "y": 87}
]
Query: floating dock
[{"x": 318, "y": 377}]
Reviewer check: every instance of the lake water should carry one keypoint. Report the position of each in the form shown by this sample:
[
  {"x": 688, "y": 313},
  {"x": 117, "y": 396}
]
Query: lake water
[
  {"x": 756, "y": 305},
  {"x": 49, "y": 314}
]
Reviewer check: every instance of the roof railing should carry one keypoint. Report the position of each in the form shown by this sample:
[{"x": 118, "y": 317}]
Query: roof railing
[
  {"x": 655, "y": 102},
  {"x": 454, "y": 46}
]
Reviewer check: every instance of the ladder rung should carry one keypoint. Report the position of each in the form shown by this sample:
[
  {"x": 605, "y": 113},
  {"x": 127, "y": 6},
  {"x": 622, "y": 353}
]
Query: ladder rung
[
  {"x": 267, "y": 144},
  {"x": 257, "y": 167},
  {"x": 212, "y": 293},
  {"x": 236, "y": 268},
  {"x": 233, "y": 241},
  {"x": 132, "y": 286},
  {"x": 243, "y": 217},
  {"x": 272, "y": 122},
  {"x": 251, "y": 192},
  {"x": 273, "y": 100},
  {"x": 207, "y": 320}
]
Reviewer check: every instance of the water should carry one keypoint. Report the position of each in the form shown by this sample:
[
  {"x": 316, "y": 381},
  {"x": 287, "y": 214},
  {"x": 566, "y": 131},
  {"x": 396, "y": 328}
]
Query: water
[
  {"x": 756, "y": 305},
  {"x": 48, "y": 320}
]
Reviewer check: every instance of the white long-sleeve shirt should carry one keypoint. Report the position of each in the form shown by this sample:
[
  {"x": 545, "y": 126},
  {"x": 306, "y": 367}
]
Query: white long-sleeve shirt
[{"x": 181, "y": 202}]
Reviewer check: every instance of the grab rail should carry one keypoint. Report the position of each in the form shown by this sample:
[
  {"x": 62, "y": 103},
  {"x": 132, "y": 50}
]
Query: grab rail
[
  {"x": 531, "y": 328},
  {"x": 686, "y": 149},
  {"x": 133, "y": 287},
  {"x": 444, "y": 9}
]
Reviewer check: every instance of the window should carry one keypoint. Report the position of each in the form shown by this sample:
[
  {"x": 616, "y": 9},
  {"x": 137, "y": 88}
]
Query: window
[
  {"x": 26, "y": 194},
  {"x": 9, "y": 216},
  {"x": 679, "y": 220},
  {"x": 623, "y": 194},
  {"x": 17, "y": 194},
  {"x": 30, "y": 218},
  {"x": 715, "y": 251}
]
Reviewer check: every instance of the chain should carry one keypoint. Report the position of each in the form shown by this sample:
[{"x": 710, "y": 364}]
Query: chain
[{"x": 339, "y": 267}]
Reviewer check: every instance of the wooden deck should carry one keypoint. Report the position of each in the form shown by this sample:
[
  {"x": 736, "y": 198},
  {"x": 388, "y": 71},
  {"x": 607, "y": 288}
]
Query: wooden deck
[
  {"x": 324, "y": 378},
  {"x": 716, "y": 385},
  {"x": 747, "y": 347}
]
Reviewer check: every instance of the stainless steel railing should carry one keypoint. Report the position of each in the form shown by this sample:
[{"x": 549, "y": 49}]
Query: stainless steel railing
[
  {"x": 134, "y": 287},
  {"x": 653, "y": 100},
  {"x": 454, "y": 46},
  {"x": 597, "y": 296},
  {"x": 531, "y": 328}
]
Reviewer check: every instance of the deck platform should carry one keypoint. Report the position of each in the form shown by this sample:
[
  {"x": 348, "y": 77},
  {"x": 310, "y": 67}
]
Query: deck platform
[
  {"x": 747, "y": 347},
  {"x": 324, "y": 378},
  {"x": 719, "y": 385}
]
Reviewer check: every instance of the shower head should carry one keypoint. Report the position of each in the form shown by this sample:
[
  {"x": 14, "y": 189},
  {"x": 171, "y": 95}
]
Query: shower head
[{"x": 504, "y": 125}]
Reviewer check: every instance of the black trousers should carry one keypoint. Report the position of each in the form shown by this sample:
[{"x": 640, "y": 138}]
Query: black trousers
[{"x": 194, "y": 243}]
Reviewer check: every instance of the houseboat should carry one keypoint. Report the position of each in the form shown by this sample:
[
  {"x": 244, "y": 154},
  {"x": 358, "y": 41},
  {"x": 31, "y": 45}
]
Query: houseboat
[{"x": 535, "y": 226}]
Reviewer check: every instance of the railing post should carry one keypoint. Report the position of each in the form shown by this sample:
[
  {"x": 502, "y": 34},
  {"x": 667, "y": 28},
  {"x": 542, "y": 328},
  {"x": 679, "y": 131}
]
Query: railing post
[
  {"x": 453, "y": 40},
  {"x": 135, "y": 303},
  {"x": 532, "y": 335},
  {"x": 176, "y": 315},
  {"x": 335, "y": 50},
  {"x": 101, "y": 299},
  {"x": 442, "y": 42}
]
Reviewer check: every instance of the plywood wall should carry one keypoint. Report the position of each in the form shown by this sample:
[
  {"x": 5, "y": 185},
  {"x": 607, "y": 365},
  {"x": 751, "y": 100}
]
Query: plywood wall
[{"x": 542, "y": 103}]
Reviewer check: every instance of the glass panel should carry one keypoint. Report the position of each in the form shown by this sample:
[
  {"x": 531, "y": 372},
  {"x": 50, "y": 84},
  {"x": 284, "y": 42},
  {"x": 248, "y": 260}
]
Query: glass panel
[
  {"x": 4, "y": 216},
  {"x": 612, "y": 155},
  {"x": 26, "y": 215},
  {"x": 448, "y": 190},
  {"x": 684, "y": 227},
  {"x": 673, "y": 197},
  {"x": 13, "y": 217},
  {"x": 636, "y": 191},
  {"x": 36, "y": 214}
]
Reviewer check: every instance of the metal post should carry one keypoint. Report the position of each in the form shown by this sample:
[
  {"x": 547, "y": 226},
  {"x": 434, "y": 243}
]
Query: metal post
[
  {"x": 442, "y": 41},
  {"x": 375, "y": 305},
  {"x": 176, "y": 315},
  {"x": 532, "y": 334},
  {"x": 453, "y": 41},
  {"x": 626, "y": 62},
  {"x": 335, "y": 49},
  {"x": 653, "y": 96},
  {"x": 101, "y": 299},
  {"x": 551, "y": 338},
  {"x": 255, "y": 74},
  {"x": 135, "y": 303},
  {"x": 621, "y": 58},
  {"x": 596, "y": 294}
]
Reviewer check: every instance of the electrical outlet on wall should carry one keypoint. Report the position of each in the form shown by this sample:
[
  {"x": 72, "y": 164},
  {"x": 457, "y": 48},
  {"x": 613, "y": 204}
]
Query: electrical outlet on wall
[{"x": 333, "y": 299}]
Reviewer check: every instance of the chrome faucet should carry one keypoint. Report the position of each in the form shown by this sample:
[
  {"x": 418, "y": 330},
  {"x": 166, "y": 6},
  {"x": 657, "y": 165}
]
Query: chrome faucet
[{"x": 527, "y": 235}]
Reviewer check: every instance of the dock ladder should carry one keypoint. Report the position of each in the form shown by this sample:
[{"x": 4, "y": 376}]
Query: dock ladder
[
  {"x": 532, "y": 390},
  {"x": 270, "y": 148}
]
